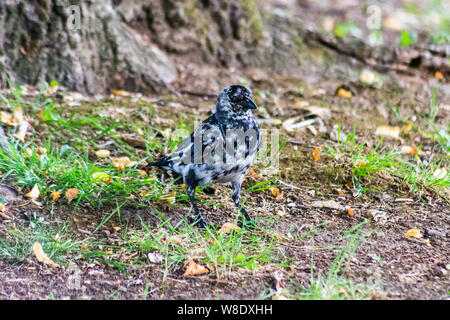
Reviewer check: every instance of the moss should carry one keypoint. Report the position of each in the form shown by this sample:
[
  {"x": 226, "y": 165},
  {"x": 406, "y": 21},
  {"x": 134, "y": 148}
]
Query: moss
[{"x": 251, "y": 11}]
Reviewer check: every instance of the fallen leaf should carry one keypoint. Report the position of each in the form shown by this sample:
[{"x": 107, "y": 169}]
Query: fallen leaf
[
  {"x": 360, "y": 163},
  {"x": 438, "y": 75},
  {"x": 170, "y": 197},
  {"x": 427, "y": 242},
  {"x": 34, "y": 193},
  {"x": 407, "y": 127},
  {"x": 350, "y": 212},
  {"x": 275, "y": 191},
  {"x": 344, "y": 93},
  {"x": 155, "y": 257},
  {"x": 122, "y": 162},
  {"x": 330, "y": 204},
  {"x": 142, "y": 172},
  {"x": 101, "y": 176},
  {"x": 2, "y": 207},
  {"x": 393, "y": 132},
  {"x": 176, "y": 240},
  {"x": 282, "y": 213},
  {"x": 254, "y": 174},
  {"x": 71, "y": 193},
  {"x": 413, "y": 233},
  {"x": 340, "y": 192},
  {"x": 408, "y": 150},
  {"x": 228, "y": 227},
  {"x": 440, "y": 173},
  {"x": 194, "y": 269},
  {"x": 121, "y": 93},
  {"x": 41, "y": 256},
  {"x": 103, "y": 153},
  {"x": 315, "y": 154},
  {"x": 55, "y": 195},
  {"x": 370, "y": 78}
]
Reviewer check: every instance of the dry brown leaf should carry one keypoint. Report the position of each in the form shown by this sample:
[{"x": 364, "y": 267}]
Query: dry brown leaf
[
  {"x": 344, "y": 93},
  {"x": 71, "y": 193},
  {"x": 393, "y": 132},
  {"x": 254, "y": 174},
  {"x": 34, "y": 193},
  {"x": 228, "y": 227},
  {"x": 41, "y": 256},
  {"x": 103, "y": 153},
  {"x": 194, "y": 269},
  {"x": 176, "y": 240},
  {"x": 413, "y": 233},
  {"x": 55, "y": 195}
]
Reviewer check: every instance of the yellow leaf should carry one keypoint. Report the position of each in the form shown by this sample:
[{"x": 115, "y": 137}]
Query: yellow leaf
[
  {"x": 275, "y": 191},
  {"x": 102, "y": 153},
  {"x": 344, "y": 93},
  {"x": 315, "y": 154},
  {"x": 228, "y": 227},
  {"x": 413, "y": 233},
  {"x": 439, "y": 75},
  {"x": 41, "y": 256},
  {"x": 55, "y": 195},
  {"x": 350, "y": 212},
  {"x": 388, "y": 131},
  {"x": 121, "y": 93},
  {"x": 170, "y": 197},
  {"x": 122, "y": 162},
  {"x": 101, "y": 176},
  {"x": 34, "y": 193},
  {"x": 408, "y": 150},
  {"x": 71, "y": 193},
  {"x": 6, "y": 118},
  {"x": 360, "y": 163},
  {"x": 2, "y": 207},
  {"x": 407, "y": 127},
  {"x": 194, "y": 269}
]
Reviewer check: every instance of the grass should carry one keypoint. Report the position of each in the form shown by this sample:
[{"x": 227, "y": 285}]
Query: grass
[
  {"x": 365, "y": 162},
  {"x": 57, "y": 242},
  {"x": 334, "y": 285}
]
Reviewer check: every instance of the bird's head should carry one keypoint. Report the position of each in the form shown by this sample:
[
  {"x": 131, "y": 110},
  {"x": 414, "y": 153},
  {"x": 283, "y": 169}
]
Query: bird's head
[{"x": 235, "y": 100}]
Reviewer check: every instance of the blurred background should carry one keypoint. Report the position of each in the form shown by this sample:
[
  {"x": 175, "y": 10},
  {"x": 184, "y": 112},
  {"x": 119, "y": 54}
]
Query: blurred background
[{"x": 147, "y": 45}]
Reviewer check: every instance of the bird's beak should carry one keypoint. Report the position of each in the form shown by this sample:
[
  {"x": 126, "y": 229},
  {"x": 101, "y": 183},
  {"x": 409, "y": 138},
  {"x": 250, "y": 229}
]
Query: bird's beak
[{"x": 251, "y": 105}]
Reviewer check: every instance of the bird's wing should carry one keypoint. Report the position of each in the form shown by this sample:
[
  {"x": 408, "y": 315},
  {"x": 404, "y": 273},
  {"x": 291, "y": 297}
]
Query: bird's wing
[{"x": 205, "y": 135}]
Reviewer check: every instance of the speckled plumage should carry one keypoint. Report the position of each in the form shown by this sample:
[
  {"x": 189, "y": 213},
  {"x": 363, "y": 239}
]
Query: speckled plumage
[{"x": 221, "y": 149}]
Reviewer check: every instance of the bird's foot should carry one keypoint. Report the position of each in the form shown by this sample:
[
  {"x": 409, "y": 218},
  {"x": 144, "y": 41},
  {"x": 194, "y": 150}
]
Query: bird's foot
[
  {"x": 201, "y": 223},
  {"x": 247, "y": 224}
]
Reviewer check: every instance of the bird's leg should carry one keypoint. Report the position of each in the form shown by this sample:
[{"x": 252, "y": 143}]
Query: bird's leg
[
  {"x": 199, "y": 220},
  {"x": 236, "y": 196}
]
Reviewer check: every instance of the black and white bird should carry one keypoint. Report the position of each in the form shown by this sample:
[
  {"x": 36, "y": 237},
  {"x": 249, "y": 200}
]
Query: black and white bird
[{"x": 220, "y": 150}]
